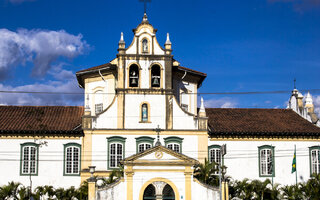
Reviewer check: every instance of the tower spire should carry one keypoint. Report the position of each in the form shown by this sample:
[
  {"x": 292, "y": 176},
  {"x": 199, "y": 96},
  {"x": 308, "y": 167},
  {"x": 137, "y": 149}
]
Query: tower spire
[{"x": 145, "y": 5}]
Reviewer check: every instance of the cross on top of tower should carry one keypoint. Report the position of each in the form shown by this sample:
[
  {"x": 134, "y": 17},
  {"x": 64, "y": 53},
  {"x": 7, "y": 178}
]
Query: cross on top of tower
[
  {"x": 145, "y": 4},
  {"x": 158, "y": 143},
  {"x": 294, "y": 83}
]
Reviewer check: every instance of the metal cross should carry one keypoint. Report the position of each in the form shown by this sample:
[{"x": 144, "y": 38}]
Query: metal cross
[
  {"x": 158, "y": 130},
  {"x": 145, "y": 4},
  {"x": 294, "y": 83}
]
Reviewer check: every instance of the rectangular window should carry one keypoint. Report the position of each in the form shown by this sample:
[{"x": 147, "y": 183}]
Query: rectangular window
[
  {"x": 266, "y": 161},
  {"x": 72, "y": 159},
  {"x": 315, "y": 161},
  {"x": 174, "y": 147},
  {"x": 29, "y": 159},
  {"x": 99, "y": 108},
  {"x": 116, "y": 154},
  {"x": 143, "y": 147},
  {"x": 215, "y": 156}
]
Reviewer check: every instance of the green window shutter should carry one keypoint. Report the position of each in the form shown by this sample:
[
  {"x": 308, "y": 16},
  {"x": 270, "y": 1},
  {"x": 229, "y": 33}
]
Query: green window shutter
[
  {"x": 116, "y": 151},
  {"x": 71, "y": 159},
  {"x": 173, "y": 141},
  {"x": 143, "y": 140},
  {"x": 29, "y": 159},
  {"x": 266, "y": 161},
  {"x": 314, "y": 159}
]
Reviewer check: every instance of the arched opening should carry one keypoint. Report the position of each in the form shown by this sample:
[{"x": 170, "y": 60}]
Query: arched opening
[
  {"x": 134, "y": 76},
  {"x": 144, "y": 45},
  {"x": 149, "y": 193},
  {"x": 144, "y": 112},
  {"x": 168, "y": 193},
  {"x": 155, "y": 76}
]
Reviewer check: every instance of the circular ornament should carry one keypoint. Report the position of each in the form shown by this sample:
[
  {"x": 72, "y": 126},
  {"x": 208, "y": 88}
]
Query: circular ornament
[{"x": 158, "y": 154}]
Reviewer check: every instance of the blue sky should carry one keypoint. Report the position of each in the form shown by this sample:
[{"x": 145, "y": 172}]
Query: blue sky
[{"x": 247, "y": 45}]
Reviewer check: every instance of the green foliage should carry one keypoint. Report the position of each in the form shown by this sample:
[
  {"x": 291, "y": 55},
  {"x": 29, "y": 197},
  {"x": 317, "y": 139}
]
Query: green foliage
[
  {"x": 17, "y": 191},
  {"x": 206, "y": 173}
]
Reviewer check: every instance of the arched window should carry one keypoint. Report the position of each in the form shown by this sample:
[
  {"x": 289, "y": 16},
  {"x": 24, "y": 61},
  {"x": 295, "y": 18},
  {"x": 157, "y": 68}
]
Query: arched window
[
  {"x": 155, "y": 76},
  {"x": 72, "y": 159},
  {"x": 134, "y": 76},
  {"x": 144, "y": 112},
  {"x": 143, "y": 146},
  {"x": 144, "y": 45},
  {"x": 144, "y": 143},
  {"x": 314, "y": 153},
  {"x": 168, "y": 193},
  {"x": 266, "y": 161},
  {"x": 149, "y": 193},
  {"x": 29, "y": 159},
  {"x": 174, "y": 143},
  {"x": 98, "y": 101},
  {"x": 215, "y": 155},
  {"x": 116, "y": 151}
]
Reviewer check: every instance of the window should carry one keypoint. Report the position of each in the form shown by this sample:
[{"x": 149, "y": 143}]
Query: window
[
  {"x": 29, "y": 159},
  {"x": 116, "y": 149},
  {"x": 72, "y": 153},
  {"x": 144, "y": 112},
  {"x": 174, "y": 143},
  {"x": 144, "y": 143},
  {"x": 134, "y": 76},
  {"x": 314, "y": 153},
  {"x": 145, "y": 46},
  {"x": 155, "y": 76},
  {"x": 184, "y": 101},
  {"x": 215, "y": 156},
  {"x": 98, "y": 100},
  {"x": 266, "y": 161}
]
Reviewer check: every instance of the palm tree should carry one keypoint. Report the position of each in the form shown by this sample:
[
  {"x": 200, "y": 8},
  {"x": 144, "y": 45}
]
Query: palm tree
[
  {"x": 292, "y": 192},
  {"x": 206, "y": 173},
  {"x": 10, "y": 190},
  {"x": 312, "y": 187},
  {"x": 260, "y": 188},
  {"x": 242, "y": 189}
]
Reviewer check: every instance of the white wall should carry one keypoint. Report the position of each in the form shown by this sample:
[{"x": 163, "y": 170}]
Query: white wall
[
  {"x": 50, "y": 165},
  {"x": 242, "y": 159}
]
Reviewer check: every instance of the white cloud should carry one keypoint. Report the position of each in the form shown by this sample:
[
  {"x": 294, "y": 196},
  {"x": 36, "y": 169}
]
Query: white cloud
[
  {"x": 316, "y": 102},
  {"x": 41, "y": 47},
  {"x": 220, "y": 103},
  {"x": 19, "y": 1},
  {"x": 69, "y": 86}
]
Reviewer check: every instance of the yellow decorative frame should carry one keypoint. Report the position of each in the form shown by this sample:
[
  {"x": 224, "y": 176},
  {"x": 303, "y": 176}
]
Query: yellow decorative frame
[
  {"x": 127, "y": 72},
  {"x": 141, "y": 46},
  {"x": 145, "y": 185},
  {"x": 161, "y": 75}
]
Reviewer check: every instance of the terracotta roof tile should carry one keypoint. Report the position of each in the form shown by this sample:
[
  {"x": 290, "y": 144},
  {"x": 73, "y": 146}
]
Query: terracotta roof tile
[
  {"x": 40, "y": 118},
  {"x": 96, "y": 67},
  {"x": 192, "y": 71},
  {"x": 223, "y": 121}
]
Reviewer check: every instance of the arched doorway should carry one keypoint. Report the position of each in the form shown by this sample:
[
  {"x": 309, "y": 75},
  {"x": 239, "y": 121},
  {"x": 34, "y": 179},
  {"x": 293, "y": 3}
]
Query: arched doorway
[
  {"x": 158, "y": 190},
  {"x": 149, "y": 193}
]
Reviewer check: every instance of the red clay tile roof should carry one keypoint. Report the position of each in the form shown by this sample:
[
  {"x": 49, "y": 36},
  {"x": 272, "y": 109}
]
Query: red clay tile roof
[
  {"x": 192, "y": 71},
  {"x": 41, "y": 119},
  {"x": 259, "y": 122},
  {"x": 96, "y": 67}
]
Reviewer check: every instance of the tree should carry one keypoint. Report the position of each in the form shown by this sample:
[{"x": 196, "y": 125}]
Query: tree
[
  {"x": 10, "y": 190},
  {"x": 206, "y": 173}
]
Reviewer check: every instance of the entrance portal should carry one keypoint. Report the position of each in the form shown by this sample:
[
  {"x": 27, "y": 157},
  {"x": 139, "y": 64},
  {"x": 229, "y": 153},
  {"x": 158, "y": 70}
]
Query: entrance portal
[{"x": 158, "y": 190}]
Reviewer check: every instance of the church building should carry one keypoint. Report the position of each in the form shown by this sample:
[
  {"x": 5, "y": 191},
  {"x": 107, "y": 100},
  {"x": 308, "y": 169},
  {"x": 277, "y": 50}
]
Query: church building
[{"x": 141, "y": 112}]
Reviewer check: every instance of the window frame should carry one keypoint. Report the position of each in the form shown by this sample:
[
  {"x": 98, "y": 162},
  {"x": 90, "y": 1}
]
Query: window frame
[
  {"x": 173, "y": 140},
  {"x": 144, "y": 140},
  {"x": 65, "y": 146},
  {"x": 138, "y": 68},
  {"x": 115, "y": 140},
  {"x": 29, "y": 144},
  {"x": 215, "y": 146},
  {"x": 310, "y": 158},
  {"x": 267, "y": 147}
]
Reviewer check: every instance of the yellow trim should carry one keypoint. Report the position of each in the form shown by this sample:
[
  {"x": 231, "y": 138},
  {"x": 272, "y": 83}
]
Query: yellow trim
[
  {"x": 161, "y": 75},
  {"x": 145, "y": 132},
  {"x": 129, "y": 176},
  {"x": 91, "y": 190},
  {"x": 86, "y": 155},
  {"x": 159, "y": 170},
  {"x": 42, "y": 137},
  {"x": 188, "y": 173},
  {"x": 145, "y": 185},
  {"x": 140, "y": 112},
  {"x": 139, "y": 76},
  {"x": 265, "y": 139},
  {"x": 141, "y": 46},
  {"x": 202, "y": 147}
]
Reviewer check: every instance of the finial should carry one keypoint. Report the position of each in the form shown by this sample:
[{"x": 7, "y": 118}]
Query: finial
[
  {"x": 202, "y": 109},
  {"x": 121, "y": 38},
  {"x": 145, "y": 18},
  {"x": 158, "y": 143},
  {"x": 168, "y": 39}
]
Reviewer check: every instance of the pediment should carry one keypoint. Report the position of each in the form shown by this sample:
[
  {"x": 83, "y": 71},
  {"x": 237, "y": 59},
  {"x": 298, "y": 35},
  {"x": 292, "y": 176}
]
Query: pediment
[{"x": 159, "y": 155}]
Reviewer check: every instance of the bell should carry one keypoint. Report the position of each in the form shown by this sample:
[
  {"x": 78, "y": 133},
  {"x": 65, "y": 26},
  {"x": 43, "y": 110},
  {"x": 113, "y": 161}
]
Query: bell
[
  {"x": 133, "y": 81},
  {"x": 155, "y": 81}
]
